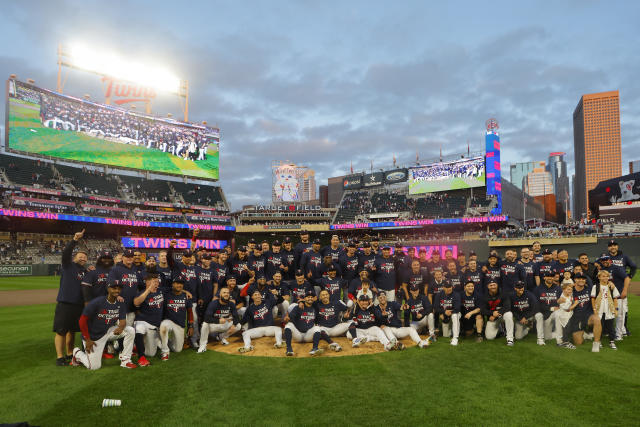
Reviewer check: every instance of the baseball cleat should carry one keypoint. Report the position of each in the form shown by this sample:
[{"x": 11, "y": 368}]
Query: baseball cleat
[
  {"x": 289, "y": 353},
  {"x": 107, "y": 355},
  {"x": 541, "y": 341},
  {"x": 399, "y": 346},
  {"x": 164, "y": 357},
  {"x": 278, "y": 345},
  {"x": 568, "y": 345},
  {"x": 612, "y": 345},
  {"x": 479, "y": 338},
  {"x": 510, "y": 343},
  {"x": 224, "y": 341},
  {"x": 357, "y": 341},
  {"x": 245, "y": 349},
  {"x": 74, "y": 361},
  {"x": 129, "y": 365},
  {"x": 143, "y": 362},
  {"x": 61, "y": 361},
  {"x": 316, "y": 352},
  {"x": 202, "y": 349},
  {"x": 335, "y": 346},
  {"x": 454, "y": 341},
  {"x": 432, "y": 338},
  {"x": 595, "y": 347},
  {"x": 618, "y": 338}
]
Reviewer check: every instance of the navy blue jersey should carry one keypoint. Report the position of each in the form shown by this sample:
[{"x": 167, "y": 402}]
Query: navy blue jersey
[
  {"x": 529, "y": 274},
  {"x": 424, "y": 268},
  {"x": 537, "y": 258},
  {"x": 257, "y": 263},
  {"x": 329, "y": 315},
  {"x": 311, "y": 262},
  {"x": 418, "y": 308},
  {"x": 188, "y": 274},
  {"x": 499, "y": 302},
  {"x": 333, "y": 286},
  {"x": 413, "y": 279},
  {"x": 220, "y": 273},
  {"x": 323, "y": 270},
  {"x": 543, "y": 267},
  {"x": 166, "y": 281},
  {"x": 298, "y": 251},
  {"x": 583, "y": 298},
  {"x": 205, "y": 283},
  {"x": 443, "y": 302},
  {"x": 476, "y": 277},
  {"x": 281, "y": 291},
  {"x": 547, "y": 298},
  {"x": 385, "y": 273},
  {"x": 273, "y": 261},
  {"x": 102, "y": 315},
  {"x": 216, "y": 311},
  {"x": 356, "y": 285},
  {"x": 623, "y": 261},
  {"x": 618, "y": 276},
  {"x": 130, "y": 281},
  {"x": 71, "y": 275},
  {"x": 456, "y": 282},
  {"x": 469, "y": 302},
  {"x": 303, "y": 318},
  {"x": 259, "y": 315},
  {"x": 176, "y": 306},
  {"x": 367, "y": 262},
  {"x": 298, "y": 291},
  {"x": 524, "y": 306},
  {"x": 96, "y": 282},
  {"x": 510, "y": 273},
  {"x": 560, "y": 268},
  {"x": 288, "y": 260},
  {"x": 335, "y": 253},
  {"x": 436, "y": 266},
  {"x": 435, "y": 287},
  {"x": 240, "y": 268},
  {"x": 151, "y": 309},
  {"x": 493, "y": 273},
  {"x": 365, "y": 319},
  {"x": 390, "y": 315},
  {"x": 264, "y": 291},
  {"x": 349, "y": 267}
]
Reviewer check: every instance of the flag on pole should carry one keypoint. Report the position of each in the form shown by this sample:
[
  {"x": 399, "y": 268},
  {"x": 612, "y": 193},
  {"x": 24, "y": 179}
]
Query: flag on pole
[
  {"x": 351, "y": 166},
  {"x": 417, "y": 159},
  {"x": 440, "y": 154},
  {"x": 394, "y": 160},
  {"x": 468, "y": 149}
]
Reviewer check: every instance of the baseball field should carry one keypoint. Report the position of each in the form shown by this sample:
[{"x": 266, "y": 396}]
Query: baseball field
[
  {"x": 26, "y": 133},
  {"x": 473, "y": 384},
  {"x": 421, "y": 187}
]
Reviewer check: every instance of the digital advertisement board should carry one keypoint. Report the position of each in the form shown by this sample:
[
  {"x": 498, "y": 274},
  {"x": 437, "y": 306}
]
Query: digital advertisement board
[
  {"x": 352, "y": 182},
  {"x": 163, "y": 243},
  {"x": 373, "y": 179},
  {"x": 494, "y": 179},
  {"x": 395, "y": 176},
  {"x": 286, "y": 183},
  {"x": 460, "y": 174},
  {"x": 49, "y": 124}
]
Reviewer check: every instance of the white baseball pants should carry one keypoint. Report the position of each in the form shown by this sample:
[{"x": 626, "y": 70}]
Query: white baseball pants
[
  {"x": 262, "y": 331},
  {"x": 374, "y": 333},
  {"x": 337, "y": 331},
  {"x": 151, "y": 337},
  {"x": 623, "y": 309},
  {"x": 421, "y": 324},
  {"x": 222, "y": 328},
  {"x": 491, "y": 331},
  {"x": 550, "y": 327},
  {"x": 174, "y": 343},
  {"x": 399, "y": 333},
  {"x": 298, "y": 336},
  {"x": 452, "y": 325},
  {"x": 93, "y": 360}
]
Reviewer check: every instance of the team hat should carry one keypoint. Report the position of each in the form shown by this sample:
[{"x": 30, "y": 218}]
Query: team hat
[
  {"x": 105, "y": 254},
  {"x": 414, "y": 287},
  {"x": 546, "y": 251},
  {"x": 114, "y": 283},
  {"x": 230, "y": 277},
  {"x": 127, "y": 253},
  {"x": 303, "y": 232},
  {"x": 364, "y": 297},
  {"x": 252, "y": 240},
  {"x": 299, "y": 272},
  {"x": 519, "y": 284},
  {"x": 398, "y": 245},
  {"x": 287, "y": 240},
  {"x": 242, "y": 248},
  {"x": 351, "y": 245},
  {"x": 366, "y": 245},
  {"x": 258, "y": 248},
  {"x": 493, "y": 255},
  {"x": 276, "y": 243},
  {"x": 612, "y": 243},
  {"x": 310, "y": 293},
  {"x": 316, "y": 242},
  {"x": 207, "y": 255},
  {"x": 579, "y": 276},
  {"x": 447, "y": 284},
  {"x": 605, "y": 257},
  {"x": 461, "y": 253},
  {"x": 469, "y": 281},
  {"x": 492, "y": 281},
  {"x": 187, "y": 254},
  {"x": 260, "y": 277},
  {"x": 386, "y": 248},
  {"x": 549, "y": 273}
]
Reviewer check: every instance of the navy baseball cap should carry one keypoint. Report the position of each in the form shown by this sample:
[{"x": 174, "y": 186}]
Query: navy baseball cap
[
  {"x": 612, "y": 243},
  {"x": 114, "y": 284},
  {"x": 414, "y": 287},
  {"x": 493, "y": 255},
  {"x": 105, "y": 254},
  {"x": 230, "y": 277},
  {"x": 242, "y": 248},
  {"x": 492, "y": 281},
  {"x": 447, "y": 284},
  {"x": 605, "y": 257},
  {"x": 386, "y": 248},
  {"x": 260, "y": 277},
  {"x": 579, "y": 276},
  {"x": 366, "y": 245},
  {"x": 549, "y": 273},
  {"x": 519, "y": 284},
  {"x": 187, "y": 253},
  {"x": 257, "y": 248},
  {"x": 127, "y": 253},
  {"x": 398, "y": 245},
  {"x": 316, "y": 242},
  {"x": 299, "y": 272},
  {"x": 364, "y": 297},
  {"x": 351, "y": 245},
  {"x": 287, "y": 240},
  {"x": 303, "y": 232},
  {"x": 252, "y": 240},
  {"x": 207, "y": 255},
  {"x": 276, "y": 243},
  {"x": 310, "y": 293},
  {"x": 546, "y": 252}
]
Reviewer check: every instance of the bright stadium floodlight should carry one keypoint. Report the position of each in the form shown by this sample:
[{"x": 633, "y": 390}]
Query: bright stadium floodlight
[{"x": 113, "y": 66}]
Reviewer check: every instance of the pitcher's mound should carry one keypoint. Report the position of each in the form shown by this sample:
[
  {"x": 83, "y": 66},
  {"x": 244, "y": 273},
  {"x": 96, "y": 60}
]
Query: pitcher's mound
[{"x": 264, "y": 347}]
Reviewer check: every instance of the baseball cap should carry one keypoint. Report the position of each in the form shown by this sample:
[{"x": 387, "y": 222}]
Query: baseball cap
[
  {"x": 493, "y": 255},
  {"x": 316, "y": 242},
  {"x": 114, "y": 283},
  {"x": 258, "y": 248},
  {"x": 242, "y": 248},
  {"x": 579, "y": 276},
  {"x": 546, "y": 251},
  {"x": 303, "y": 232},
  {"x": 178, "y": 280},
  {"x": 230, "y": 277},
  {"x": 128, "y": 253},
  {"x": 605, "y": 257},
  {"x": 414, "y": 287},
  {"x": 472, "y": 253},
  {"x": 331, "y": 268},
  {"x": 299, "y": 272},
  {"x": 612, "y": 242},
  {"x": 447, "y": 284},
  {"x": 207, "y": 255},
  {"x": 287, "y": 240},
  {"x": 519, "y": 284},
  {"x": 386, "y": 248},
  {"x": 276, "y": 243},
  {"x": 187, "y": 254},
  {"x": 260, "y": 277},
  {"x": 549, "y": 273},
  {"x": 366, "y": 245},
  {"x": 364, "y": 297},
  {"x": 398, "y": 245},
  {"x": 105, "y": 254},
  {"x": 252, "y": 240},
  {"x": 492, "y": 281},
  {"x": 310, "y": 293},
  {"x": 351, "y": 245}
]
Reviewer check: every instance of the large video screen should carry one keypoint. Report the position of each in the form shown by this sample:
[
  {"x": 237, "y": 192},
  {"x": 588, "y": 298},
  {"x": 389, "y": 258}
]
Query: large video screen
[
  {"x": 286, "y": 183},
  {"x": 45, "y": 123},
  {"x": 447, "y": 176}
]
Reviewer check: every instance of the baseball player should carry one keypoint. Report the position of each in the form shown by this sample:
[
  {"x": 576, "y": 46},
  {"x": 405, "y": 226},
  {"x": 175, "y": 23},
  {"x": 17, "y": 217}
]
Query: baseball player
[
  {"x": 177, "y": 306},
  {"x": 497, "y": 308},
  {"x": 125, "y": 274},
  {"x": 386, "y": 273},
  {"x": 447, "y": 308},
  {"x": 150, "y": 306},
  {"x": 221, "y": 317},
  {"x": 418, "y": 312},
  {"x": 331, "y": 283},
  {"x": 583, "y": 316},
  {"x": 234, "y": 294},
  {"x": 94, "y": 282},
  {"x": 367, "y": 259},
  {"x": 392, "y": 326},
  {"x": 301, "y": 325},
  {"x": 365, "y": 327},
  {"x": 259, "y": 319},
  {"x": 622, "y": 261},
  {"x": 548, "y": 294},
  {"x": 524, "y": 307},
  {"x": 102, "y": 320},
  {"x": 299, "y": 288},
  {"x": 330, "y": 320},
  {"x": 415, "y": 276},
  {"x": 70, "y": 302},
  {"x": 511, "y": 271},
  {"x": 281, "y": 292},
  {"x": 470, "y": 310}
]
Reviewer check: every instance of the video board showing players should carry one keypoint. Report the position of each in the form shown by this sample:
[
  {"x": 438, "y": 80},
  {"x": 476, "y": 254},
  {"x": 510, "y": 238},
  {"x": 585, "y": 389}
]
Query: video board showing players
[
  {"x": 465, "y": 173},
  {"x": 46, "y": 123}
]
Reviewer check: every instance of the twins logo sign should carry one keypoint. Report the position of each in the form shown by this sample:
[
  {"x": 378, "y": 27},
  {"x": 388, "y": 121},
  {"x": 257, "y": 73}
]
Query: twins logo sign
[{"x": 109, "y": 315}]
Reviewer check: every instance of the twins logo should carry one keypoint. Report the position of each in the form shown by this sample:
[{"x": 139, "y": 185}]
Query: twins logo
[
  {"x": 387, "y": 267},
  {"x": 155, "y": 301},
  {"x": 102, "y": 278},
  {"x": 80, "y": 275},
  {"x": 582, "y": 299},
  {"x": 290, "y": 259},
  {"x": 239, "y": 268},
  {"x": 352, "y": 264},
  {"x": 327, "y": 313},
  {"x": 129, "y": 279},
  {"x": 315, "y": 261},
  {"x": 109, "y": 315},
  {"x": 260, "y": 313},
  {"x": 618, "y": 262},
  {"x": 548, "y": 298},
  {"x": 258, "y": 264},
  {"x": 176, "y": 305},
  {"x": 521, "y": 305},
  {"x": 495, "y": 305}
]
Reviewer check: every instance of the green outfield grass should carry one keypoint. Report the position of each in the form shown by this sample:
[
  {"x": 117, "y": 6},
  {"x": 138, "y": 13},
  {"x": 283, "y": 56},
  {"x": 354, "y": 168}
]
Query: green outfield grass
[
  {"x": 26, "y": 133},
  {"x": 29, "y": 282},
  {"x": 421, "y": 187},
  {"x": 473, "y": 384}
]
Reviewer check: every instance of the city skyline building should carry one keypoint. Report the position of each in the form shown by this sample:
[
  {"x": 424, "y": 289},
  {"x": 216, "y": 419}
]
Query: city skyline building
[
  {"x": 597, "y": 144},
  {"x": 519, "y": 171},
  {"x": 634, "y": 166}
]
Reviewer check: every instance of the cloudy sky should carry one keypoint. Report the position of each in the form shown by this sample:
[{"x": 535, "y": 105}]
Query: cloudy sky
[{"x": 328, "y": 83}]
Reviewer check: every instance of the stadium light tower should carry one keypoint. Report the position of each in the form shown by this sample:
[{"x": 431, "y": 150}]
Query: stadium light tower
[{"x": 111, "y": 65}]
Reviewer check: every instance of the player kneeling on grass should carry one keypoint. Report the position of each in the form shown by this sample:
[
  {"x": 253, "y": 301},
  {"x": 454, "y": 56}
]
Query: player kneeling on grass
[
  {"x": 221, "y": 317},
  {"x": 604, "y": 296},
  {"x": 259, "y": 319},
  {"x": 524, "y": 307},
  {"x": 583, "y": 316},
  {"x": 447, "y": 308},
  {"x": 177, "y": 307},
  {"x": 548, "y": 294},
  {"x": 418, "y": 312},
  {"x": 330, "y": 319},
  {"x": 497, "y": 308},
  {"x": 301, "y": 325},
  {"x": 103, "y": 320},
  {"x": 150, "y": 306},
  {"x": 366, "y": 319},
  {"x": 392, "y": 326},
  {"x": 470, "y": 311},
  {"x": 281, "y": 293}
]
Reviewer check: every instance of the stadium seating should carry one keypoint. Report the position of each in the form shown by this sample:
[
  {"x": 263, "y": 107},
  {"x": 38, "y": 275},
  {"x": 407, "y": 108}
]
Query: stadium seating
[
  {"x": 146, "y": 189},
  {"x": 89, "y": 182},
  {"x": 198, "y": 194},
  {"x": 440, "y": 206},
  {"x": 28, "y": 172}
]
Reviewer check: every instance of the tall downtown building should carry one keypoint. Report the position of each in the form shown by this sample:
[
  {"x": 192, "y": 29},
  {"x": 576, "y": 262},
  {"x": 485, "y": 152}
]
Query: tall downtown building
[{"x": 597, "y": 145}]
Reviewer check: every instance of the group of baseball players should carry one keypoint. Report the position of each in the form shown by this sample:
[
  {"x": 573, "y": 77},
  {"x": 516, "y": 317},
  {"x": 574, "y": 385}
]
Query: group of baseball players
[{"x": 362, "y": 290}]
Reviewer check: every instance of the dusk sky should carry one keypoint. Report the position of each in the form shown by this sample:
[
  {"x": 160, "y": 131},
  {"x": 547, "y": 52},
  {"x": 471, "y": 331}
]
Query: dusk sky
[{"x": 324, "y": 84}]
